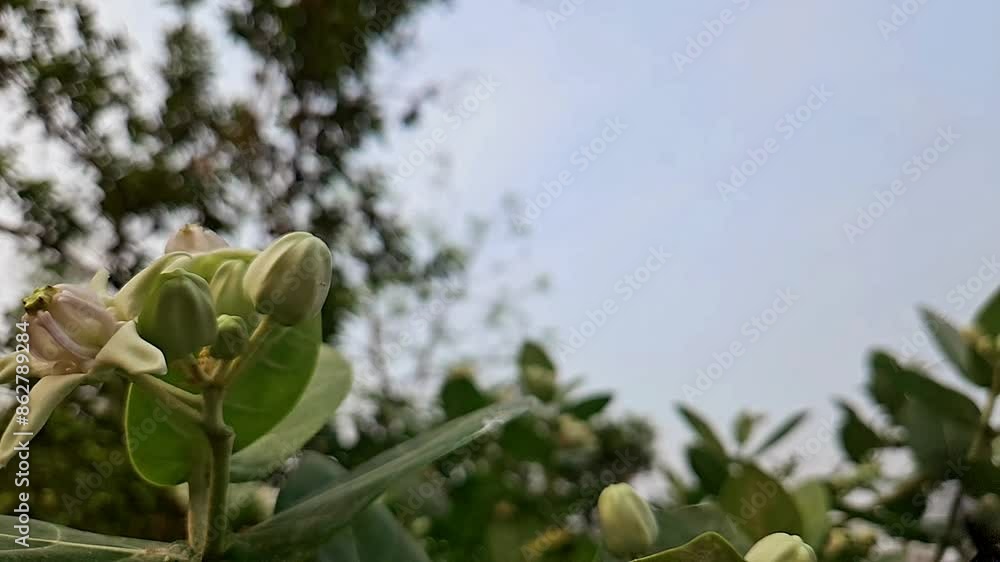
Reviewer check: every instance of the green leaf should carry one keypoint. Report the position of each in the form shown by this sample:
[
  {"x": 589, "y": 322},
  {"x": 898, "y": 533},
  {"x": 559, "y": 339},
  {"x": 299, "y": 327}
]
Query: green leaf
[
  {"x": 460, "y": 396},
  {"x": 814, "y": 503},
  {"x": 969, "y": 363},
  {"x": 163, "y": 446},
  {"x": 938, "y": 442},
  {"x": 374, "y": 534},
  {"x": 709, "y": 547},
  {"x": 988, "y": 316},
  {"x": 309, "y": 522},
  {"x": 47, "y": 393},
  {"x": 781, "y": 432},
  {"x": 588, "y": 407},
  {"x": 533, "y": 354},
  {"x": 54, "y": 543},
  {"x": 744, "y": 426},
  {"x": 702, "y": 428},
  {"x": 857, "y": 438},
  {"x": 328, "y": 387},
  {"x": 682, "y": 525},
  {"x": 711, "y": 468},
  {"x": 759, "y": 504},
  {"x": 982, "y": 477},
  {"x": 947, "y": 403}
]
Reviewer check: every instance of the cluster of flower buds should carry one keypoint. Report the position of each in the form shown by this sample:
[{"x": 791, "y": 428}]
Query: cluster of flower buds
[{"x": 627, "y": 522}]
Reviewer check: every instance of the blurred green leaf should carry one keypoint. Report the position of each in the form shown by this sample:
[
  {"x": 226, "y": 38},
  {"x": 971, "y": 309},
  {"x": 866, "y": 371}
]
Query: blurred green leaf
[
  {"x": 373, "y": 534},
  {"x": 460, "y": 396},
  {"x": 781, "y": 432},
  {"x": 970, "y": 364},
  {"x": 309, "y": 522},
  {"x": 682, "y": 525},
  {"x": 759, "y": 503},
  {"x": 327, "y": 388},
  {"x": 814, "y": 503},
  {"x": 910, "y": 383},
  {"x": 710, "y": 466},
  {"x": 709, "y": 547},
  {"x": 856, "y": 437},
  {"x": 988, "y": 316},
  {"x": 588, "y": 407},
  {"x": 939, "y": 442},
  {"x": 532, "y": 354},
  {"x": 54, "y": 543},
  {"x": 981, "y": 477},
  {"x": 744, "y": 426},
  {"x": 702, "y": 428}
]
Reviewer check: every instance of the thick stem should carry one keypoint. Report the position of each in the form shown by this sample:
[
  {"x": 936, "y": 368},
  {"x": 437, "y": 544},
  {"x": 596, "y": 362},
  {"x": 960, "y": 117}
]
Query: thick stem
[
  {"x": 979, "y": 447},
  {"x": 198, "y": 485},
  {"x": 220, "y": 438}
]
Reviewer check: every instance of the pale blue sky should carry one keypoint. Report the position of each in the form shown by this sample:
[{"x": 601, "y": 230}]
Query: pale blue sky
[{"x": 656, "y": 183}]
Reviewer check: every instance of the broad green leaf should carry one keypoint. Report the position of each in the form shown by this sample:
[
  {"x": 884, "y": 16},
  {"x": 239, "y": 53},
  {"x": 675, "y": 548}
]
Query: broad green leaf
[
  {"x": 460, "y": 396},
  {"x": 162, "y": 446},
  {"x": 781, "y": 432},
  {"x": 316, "y": 517},
  {"x": 814, "y": 503},
  {"x": 711, "y": 467},
  {"x": 947, "y": 403},
  {"x": 981, "y": 477},
  {"x": 969, "y": 363},
  {"x": 857, "y": 438},
  {"x": 682, "y": 525},
  {"x": 533, "y": 354},
  {"x": 702, "y": 428},
  {"x": 938, "y": 442},
  {"x": 588, "y": 407},
  {"x": 47, "y": 393},
  {"x": 54, "y": 543},
  {"x": 709, "y": 547},
  {"x": 759, "y": 504},
  {"x": 988, "y": 316},
  {"x": 328, "y": 387},
  {"x": 374, "y": 534},
  {"x": 882, "y": 386}
]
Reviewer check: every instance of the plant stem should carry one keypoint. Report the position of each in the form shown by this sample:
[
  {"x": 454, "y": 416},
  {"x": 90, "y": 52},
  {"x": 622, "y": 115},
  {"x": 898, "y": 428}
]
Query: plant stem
[
  {"x": 220, "y": 438},
  {"x": 259, "y": 342},
  {"x": 198, "y": 485},
  {"x": 977, "y": 449},
  {"x": 176, "y": 399}
]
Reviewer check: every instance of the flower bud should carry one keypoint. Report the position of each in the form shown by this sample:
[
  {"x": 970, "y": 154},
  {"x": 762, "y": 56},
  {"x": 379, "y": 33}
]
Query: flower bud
[
  {"x": 227, "y": 290},
  {"x": 129, "y": 301},
  {"x": 232, "y": 338},
  {"x": 781, "y": 547},
  {"x": 178, "y": 316},
  {"x": 290, "y": 279},
  {"x": 194, "y": 239},
  {"x": 67, "y": 326},
  {"x": 539, "y": 381},
  {"x": 627, "y": 523},
  {"x": 576, "y": 434}
]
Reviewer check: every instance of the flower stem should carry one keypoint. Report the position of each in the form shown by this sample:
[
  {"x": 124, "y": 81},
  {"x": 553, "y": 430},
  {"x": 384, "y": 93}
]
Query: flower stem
[
  {"x": 220, "y": 438},
  {"x": 260, "y": 341},
  {"x": 177, "y": 399}
]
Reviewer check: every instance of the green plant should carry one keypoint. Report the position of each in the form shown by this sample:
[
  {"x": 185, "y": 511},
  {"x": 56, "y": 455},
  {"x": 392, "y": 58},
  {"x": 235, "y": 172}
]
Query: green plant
[{"x": 214, "y": 420}]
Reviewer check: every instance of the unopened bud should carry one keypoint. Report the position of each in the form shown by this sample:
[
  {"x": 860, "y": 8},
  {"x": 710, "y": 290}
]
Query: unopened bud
[
  {"x": 194, "y": 239},
  {"x": 227, "y": 290},
  {"x": 178, "y": 316},
  {"x": 232, "y": 338},
  {"x": 539, "y": 382},
  {"x": 627, "y": 523},
  {"x": 780, "y": 547},
  {"x": 576, "y": 434},
  {"x": 290, "y": 279}
]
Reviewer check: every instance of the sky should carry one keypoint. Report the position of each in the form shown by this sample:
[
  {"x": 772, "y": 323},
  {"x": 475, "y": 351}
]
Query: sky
[{"x": 736, "y": 200}]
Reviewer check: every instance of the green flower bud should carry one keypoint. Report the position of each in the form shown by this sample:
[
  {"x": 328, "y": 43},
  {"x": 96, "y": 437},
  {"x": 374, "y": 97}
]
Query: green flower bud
[
  {"x": 539, "y": 381},
  {"x": 129, "y": 301},
  {"x": 627, "y": 523},
  {"x": 194, "y": 239},
  {"x": 227, "y": 290},
  {"x": 290, "y": 279},
  {"x": 232, "y": 338},
  {"x": 781, "y": 547},
  {"x": 576, "y": 434},
  {"x": 178, "y": 316}
]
